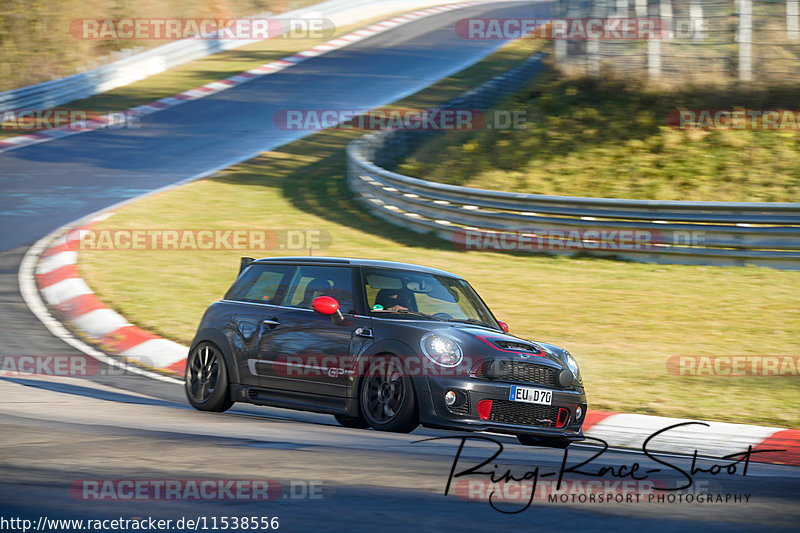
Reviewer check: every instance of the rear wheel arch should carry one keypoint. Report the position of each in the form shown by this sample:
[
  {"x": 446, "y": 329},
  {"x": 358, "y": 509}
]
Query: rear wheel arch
[{"x": 221, "y": 341}]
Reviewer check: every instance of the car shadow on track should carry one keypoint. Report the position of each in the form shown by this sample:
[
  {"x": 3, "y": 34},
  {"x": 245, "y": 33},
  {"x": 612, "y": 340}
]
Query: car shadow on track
[{"x": 89, "y": 392}]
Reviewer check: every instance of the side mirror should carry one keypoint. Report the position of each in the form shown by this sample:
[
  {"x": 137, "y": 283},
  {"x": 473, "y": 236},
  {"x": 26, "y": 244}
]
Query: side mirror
[
  {"x": 327, "y": 305},
  {"x": 503, "y": 326}
]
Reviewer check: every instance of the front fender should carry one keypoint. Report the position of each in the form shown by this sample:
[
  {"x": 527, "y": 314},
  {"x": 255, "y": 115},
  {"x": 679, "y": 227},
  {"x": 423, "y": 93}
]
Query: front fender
[{"x": 388, "y": 347}]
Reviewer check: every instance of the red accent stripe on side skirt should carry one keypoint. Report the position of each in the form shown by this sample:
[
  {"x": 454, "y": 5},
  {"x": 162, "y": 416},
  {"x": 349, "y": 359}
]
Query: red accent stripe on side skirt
[{"x": 787, "y": 440}]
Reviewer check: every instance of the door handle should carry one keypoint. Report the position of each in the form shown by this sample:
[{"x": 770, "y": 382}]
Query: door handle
[
  {"x": 271, "y": 322},
  {"x": 363, "y": 332}
]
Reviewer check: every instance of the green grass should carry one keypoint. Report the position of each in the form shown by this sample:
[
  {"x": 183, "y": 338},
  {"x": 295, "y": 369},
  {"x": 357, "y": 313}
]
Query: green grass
[
  {"x": 609, "y": 138},
  {"x": 622, "y": 320}
]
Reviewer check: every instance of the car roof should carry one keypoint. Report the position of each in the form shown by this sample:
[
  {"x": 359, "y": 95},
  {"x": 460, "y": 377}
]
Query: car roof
[{"x": 357, "y": 262}]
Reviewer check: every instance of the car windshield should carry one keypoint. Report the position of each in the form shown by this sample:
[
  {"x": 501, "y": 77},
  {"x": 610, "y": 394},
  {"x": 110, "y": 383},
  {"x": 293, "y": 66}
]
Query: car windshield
[{"x": 418, "y": 295}]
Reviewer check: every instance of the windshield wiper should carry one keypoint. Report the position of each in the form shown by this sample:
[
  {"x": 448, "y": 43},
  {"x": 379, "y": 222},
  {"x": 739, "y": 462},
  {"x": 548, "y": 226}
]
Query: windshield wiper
[
  {"x": 471, "y": 321},
  {"x": 417, "y": 313}
]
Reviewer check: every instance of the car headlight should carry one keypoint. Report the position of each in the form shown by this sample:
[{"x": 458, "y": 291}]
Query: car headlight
[
  {"x": 573, "y": 365},
  {"x": 441, "y": 350}
]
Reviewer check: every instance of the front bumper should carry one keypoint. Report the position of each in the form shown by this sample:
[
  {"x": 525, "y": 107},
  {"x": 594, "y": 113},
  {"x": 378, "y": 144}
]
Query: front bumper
[{"x": 515, "y": 418}]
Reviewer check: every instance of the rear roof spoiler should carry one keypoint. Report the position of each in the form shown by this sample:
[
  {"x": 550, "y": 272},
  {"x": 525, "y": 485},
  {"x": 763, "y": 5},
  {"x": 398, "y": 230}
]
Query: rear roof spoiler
[{"x": 245, "y": 263}]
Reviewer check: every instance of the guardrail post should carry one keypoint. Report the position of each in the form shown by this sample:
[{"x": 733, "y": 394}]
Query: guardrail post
[
  {"x": 593, "y": 65},
  {"x": 744, "y": 37},
  {"x": 654, "y": 58},
  {"x": 560, "y": 51},
  {"x": 665, "y": 12},
  {"x": 696, "y": 16},
  {"x": 600, "y": 10},
  {"x": 563, "y": 9},
  {"x": 792, "y": 26},
  {"x": 654, "y": 44},
  {"x": 560, "y": 45}
]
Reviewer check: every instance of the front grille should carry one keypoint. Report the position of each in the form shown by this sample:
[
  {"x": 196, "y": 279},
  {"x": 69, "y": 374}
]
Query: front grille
[
  {"x": 529, "y": 373},
  {"x": 523, "y": 414}
]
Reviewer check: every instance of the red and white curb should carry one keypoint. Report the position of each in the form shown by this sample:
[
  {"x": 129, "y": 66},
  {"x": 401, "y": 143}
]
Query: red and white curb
[
  {"x": 66, "y": 292},
  {"x": 214, "y": 87},
  {"x": 714, "y": 439}
]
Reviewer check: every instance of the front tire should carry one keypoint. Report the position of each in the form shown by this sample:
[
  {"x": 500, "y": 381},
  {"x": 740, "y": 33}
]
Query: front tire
[
  {"x": 206, "y": 382},
  {"x": 387, "y": 397},
  {"x": 546, "y": 442}
]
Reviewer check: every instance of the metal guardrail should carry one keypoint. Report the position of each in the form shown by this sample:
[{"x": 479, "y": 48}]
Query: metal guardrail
[
  {"x": 107, "y": 77},
  {"x": 679, "y": 232}
]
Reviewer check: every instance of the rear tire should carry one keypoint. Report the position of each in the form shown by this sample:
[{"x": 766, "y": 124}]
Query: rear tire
[
  {"x": 546, "y": 442},
  {"x": 387, "y": 398},
  {"x": 206, "y": 381},
  {"x": 356, "y": 422}
]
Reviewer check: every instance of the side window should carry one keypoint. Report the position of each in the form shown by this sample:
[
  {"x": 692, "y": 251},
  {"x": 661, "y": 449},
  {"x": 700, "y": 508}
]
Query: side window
[
  {"x": 262, "y": 283},
  {"x": 386, "y": 290},
  {"x": 311, "y": 282}
]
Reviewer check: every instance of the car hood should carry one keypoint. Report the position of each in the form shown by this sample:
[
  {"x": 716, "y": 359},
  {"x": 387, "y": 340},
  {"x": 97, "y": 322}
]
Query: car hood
[{"x": 481, "y": 342}]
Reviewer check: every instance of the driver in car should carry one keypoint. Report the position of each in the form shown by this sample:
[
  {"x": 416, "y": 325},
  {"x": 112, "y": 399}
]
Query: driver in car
[{"x": 395, "y": 300}]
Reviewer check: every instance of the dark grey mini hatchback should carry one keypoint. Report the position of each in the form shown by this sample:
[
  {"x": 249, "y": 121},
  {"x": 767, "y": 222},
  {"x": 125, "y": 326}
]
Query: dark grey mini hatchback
[{"x": 380, "y": 344}]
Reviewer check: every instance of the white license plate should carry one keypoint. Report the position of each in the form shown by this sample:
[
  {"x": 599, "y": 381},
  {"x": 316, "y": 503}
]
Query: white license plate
[{"x": 528, "y": 395}]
